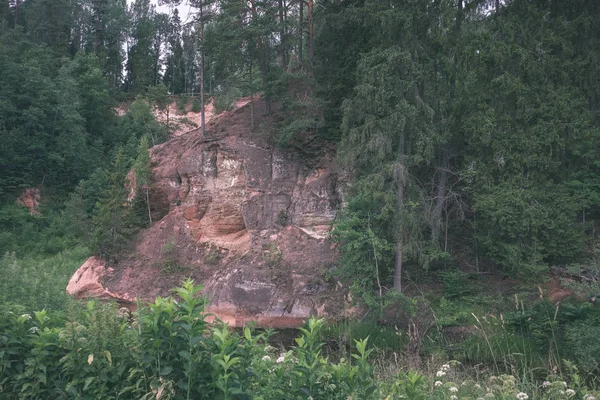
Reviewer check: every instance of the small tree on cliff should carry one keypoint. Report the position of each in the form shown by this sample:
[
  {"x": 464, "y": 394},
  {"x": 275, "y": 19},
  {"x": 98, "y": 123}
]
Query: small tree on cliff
[
  {"x": 110, "y": 219},
  {"x": 158, "y": 96},
  {"x": 143, "y": 173}
]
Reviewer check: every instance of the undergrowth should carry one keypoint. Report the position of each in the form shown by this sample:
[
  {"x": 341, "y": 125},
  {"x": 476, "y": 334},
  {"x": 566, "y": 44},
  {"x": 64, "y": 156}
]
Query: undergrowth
[
  {"x": 169, "y": 351},
  {"x": 39, "y": 281}
]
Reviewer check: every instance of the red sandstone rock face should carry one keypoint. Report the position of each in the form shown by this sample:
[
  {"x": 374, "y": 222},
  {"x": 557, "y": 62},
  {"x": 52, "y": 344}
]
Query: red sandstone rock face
[
  {"x": 30, "y": 198},
  {"x": 247, "y": 220}
]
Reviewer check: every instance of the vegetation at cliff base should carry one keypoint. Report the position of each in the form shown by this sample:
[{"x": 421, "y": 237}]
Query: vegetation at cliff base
[{"x": 168, "y": 351}]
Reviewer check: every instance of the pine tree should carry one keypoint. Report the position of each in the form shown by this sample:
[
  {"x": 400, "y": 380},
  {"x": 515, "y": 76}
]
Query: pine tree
[
  {"x": 174, "y": 76},
  {"x": 141, "y": 63}
]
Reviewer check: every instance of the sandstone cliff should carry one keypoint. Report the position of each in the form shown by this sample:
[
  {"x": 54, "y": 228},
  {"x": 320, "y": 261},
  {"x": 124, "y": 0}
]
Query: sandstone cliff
[{"x": 248, "y": 220}]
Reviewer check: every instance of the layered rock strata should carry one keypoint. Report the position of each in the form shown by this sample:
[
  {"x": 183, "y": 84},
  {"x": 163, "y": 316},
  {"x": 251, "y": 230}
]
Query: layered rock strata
[{"x": 247, "y": 220}]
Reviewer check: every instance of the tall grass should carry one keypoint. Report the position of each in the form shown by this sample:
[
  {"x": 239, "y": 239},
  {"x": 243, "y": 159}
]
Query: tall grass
[{"x": 39, "y": 282}]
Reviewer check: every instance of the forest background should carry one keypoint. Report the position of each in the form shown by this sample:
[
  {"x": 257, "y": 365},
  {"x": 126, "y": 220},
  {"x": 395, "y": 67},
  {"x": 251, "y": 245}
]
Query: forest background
[{"x": 469, "y": 130}]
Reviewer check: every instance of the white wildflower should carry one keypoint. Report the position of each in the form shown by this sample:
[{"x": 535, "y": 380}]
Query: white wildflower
[
  {"x": 266, "y": 358},
  {"x": 477, "y": 386},
  {"x": 280, "y": 359},
  {"x": 34, "y": 329},
  {"x": 570, "y": 393},
  {"x": 453, "y": 389},
  {"x": 25, "y": 316},
  {"x": 445, "y": 367},
  {"x": 546, "y": 384},
  {"x": 589, "y": 397},
  {"x": 440, "y": 373},
  {"x": 438, "y": 383},
  {"x": 564, "y": 384},
  {"x": 453, "y": 397},
  {"x": 522, "y": 396}
]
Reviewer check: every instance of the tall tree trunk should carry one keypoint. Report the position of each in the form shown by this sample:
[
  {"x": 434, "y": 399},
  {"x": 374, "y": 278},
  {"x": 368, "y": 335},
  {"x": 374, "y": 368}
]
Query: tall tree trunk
[
  {"x": 168, "y": 104},
  {"x": 282, "y": 49},
  {"x": 202, "y": 114},
  {"x": 459, "y": 16},
  {"x": 148, "y": 205},
  {"x": 398, "y": 267},
  {"x": 310, "y": 32},
  {"x": 251, "y": 97},
  {"x": 300, "y": 31},
  {"x": 440, "y": 196},
  {"x": 400, "y": 181}
]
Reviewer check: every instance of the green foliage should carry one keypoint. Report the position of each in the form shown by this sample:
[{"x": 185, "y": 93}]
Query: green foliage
[
  {"x": 159, "y": 96},
  {"x": 213, "y": 255},
  {"x": 272, "y": 254},
  {"x": 196, "y": 106},
  {"x": 103, "y": 200},
  {"x": 382, "y": 338},
  {"x": 110, "y": 223},
  {"x": 27, "y": 234},
  {"x": 581, "y": 339},
  {"x": 49, "y": 116},
  {"x": 170, "y": 350},
  {"x": 522, "y": 228},
  {"x": 140, "y": 121},
  {"x": 39, "y": 281},
  {"x": 225, "y": 100},
  {"x": 367, "y": 249},
  {"x": 97, "y": 341},
  {"x": 584, "y": 277},
  {"x": 456, "y": 284},
  {"x": 181, "y": 104},
  {"x": 170, "y": 259}
]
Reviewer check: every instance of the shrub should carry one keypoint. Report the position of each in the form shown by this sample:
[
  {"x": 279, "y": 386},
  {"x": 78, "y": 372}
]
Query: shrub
[
  {"x": 213, "y": 255},
  {"x": 582, "y": 339},
  {"x": 225, "y": 100},
  {"x": 272, "y": 254},
  {"x": 181, "y": 103},
  {"x": 170, "y": 262},
  {"x": 196, "y": 106},
  {"x": 169, "y": 352},
  {"x": 456, "y": 284}
]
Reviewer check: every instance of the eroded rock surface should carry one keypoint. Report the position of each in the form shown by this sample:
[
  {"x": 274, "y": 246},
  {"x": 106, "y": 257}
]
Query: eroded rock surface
[
  {"x": 246, "y": 219},
  {"x": 30, "y": 198}
]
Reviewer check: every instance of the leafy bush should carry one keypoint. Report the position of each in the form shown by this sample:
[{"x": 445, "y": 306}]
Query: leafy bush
[
  {"x": 582, "y": 339},
  {"x": 171, "y": 352}
]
